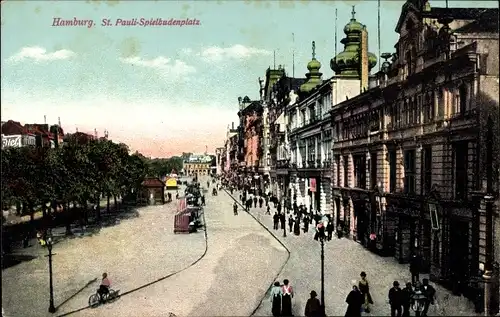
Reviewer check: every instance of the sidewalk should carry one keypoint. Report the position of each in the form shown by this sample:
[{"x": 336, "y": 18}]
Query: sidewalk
[{"x": 344, "y": 260}]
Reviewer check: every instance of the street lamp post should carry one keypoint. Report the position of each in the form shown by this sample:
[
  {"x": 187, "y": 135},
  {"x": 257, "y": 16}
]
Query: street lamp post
[
  {"x": 320, "y": 235},
  {"x": 284, "y": 227},
  {"x": 52, "y": 308}
]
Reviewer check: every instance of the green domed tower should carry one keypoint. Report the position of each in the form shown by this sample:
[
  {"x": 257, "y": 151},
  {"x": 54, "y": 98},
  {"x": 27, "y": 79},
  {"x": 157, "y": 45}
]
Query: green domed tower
[
  {"x": 347, "y": 63},
  {"x": 314, "y": 76}
]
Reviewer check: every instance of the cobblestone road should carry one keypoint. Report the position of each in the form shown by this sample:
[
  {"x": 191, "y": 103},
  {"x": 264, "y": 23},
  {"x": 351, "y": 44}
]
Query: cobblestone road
[
  {"x": 344, "y": 260},
  {"x": 241, "y": 262},
  {"x": 134, "y": 252}
]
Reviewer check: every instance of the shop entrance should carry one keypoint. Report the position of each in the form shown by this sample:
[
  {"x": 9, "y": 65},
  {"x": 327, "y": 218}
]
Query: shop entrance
[{"x": 362, "y": 221}]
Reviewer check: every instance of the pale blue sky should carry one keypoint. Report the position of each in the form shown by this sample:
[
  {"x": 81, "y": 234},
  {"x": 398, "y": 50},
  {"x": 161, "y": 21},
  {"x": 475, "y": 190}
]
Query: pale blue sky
[{"x": 176, "y": 93}]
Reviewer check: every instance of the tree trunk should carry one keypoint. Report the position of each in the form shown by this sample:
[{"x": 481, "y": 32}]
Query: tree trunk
[
  {"x": 108, "y": 203},
  {"x": 68, "y": 217},
  {"x": 18, "y": 208},
  {"x": 85, "y": 209},
  {"x": 44, "y": 211},
  {"x": 116, "y": 203},
  {"x": 98, "y": 207}
]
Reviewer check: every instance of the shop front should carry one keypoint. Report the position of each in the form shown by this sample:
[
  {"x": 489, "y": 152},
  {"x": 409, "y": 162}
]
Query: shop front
[
  {"x": 362, "y": 210},
  {"x": 405, "y": 223}
]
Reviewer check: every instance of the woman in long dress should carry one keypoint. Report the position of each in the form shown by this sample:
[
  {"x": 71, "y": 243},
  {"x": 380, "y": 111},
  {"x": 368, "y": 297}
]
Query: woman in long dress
[
  {"x": 286, "y": 299},
  {"x": 276, "y": 294},
  {"x": 364, "y": 288}
]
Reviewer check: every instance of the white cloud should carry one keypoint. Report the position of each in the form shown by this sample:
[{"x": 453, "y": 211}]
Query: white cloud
[
  {"x": 187, "y": 51},
  {"x": 162, "y": 64},
  {"x": 237, "y": 51},
  {"x": 39, "y": 54}
]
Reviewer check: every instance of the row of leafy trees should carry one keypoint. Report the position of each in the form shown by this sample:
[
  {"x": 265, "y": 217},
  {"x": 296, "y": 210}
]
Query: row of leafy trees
[
  {"x": 78, "y": 173},
  {"x": 160, "y": 167}
]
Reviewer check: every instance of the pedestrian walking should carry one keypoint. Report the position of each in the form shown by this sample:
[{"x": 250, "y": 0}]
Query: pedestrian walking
[
  {"x": 364, "y": 288},
  {"x": 313, "y": 306},
  {"x": 235, "y": 208},
  {"x": 282, "y": 221},
  {"x": 430, "y": 295},
  {"x": 268, "y": 210},
  {"x": 254, "y": 202},
  {"x": 276, "y": 220},
  {"x": 203, "y": 200},
  {"x": 276, "y": 294},
  {"x": 306, "y": 224},
  {"x": 278, "y": 207},
  {"x": 329, "y": 228},
  {"x": 406, "y": 299},
  {"x": 286, "y": 299},
  {"x": 261, "y": 202},
  {"x": 415, "y": 266},
  {"x": 354, "y": 302},
  {"x": 290, "y": 223},
  {"x": 395, "y": 299}
]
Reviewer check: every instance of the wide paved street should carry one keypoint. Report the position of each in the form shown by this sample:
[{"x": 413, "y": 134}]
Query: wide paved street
[
  {"x": 136, "y": 251},
  {"x": 231, "y": 279},
  {"x": 344, "y": 261}
]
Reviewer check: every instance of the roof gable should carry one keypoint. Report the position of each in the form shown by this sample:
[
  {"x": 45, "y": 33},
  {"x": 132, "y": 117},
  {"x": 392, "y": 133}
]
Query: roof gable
[
  {"x": 153, "y": 182},
  {"x": 408, "y": 8}
]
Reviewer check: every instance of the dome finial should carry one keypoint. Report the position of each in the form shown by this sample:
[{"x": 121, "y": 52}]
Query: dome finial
[
  {"x": 313, "y": 50},
  {"x": 353, "y": 13}
]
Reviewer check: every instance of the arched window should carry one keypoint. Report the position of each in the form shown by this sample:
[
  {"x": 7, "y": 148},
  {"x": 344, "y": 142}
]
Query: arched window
[{"x": 462, "y": 99}]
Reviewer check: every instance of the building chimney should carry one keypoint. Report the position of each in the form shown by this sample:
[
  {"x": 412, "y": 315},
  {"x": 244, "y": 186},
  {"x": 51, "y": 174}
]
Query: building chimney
[
  {"x": 232, "y": 125},
  {"x": 364, "y": 60}
]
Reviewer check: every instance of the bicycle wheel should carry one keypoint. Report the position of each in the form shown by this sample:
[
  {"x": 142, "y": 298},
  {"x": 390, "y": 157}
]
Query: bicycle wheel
[
  {"x": 94, "y": 300},
  {"x": 112, "y": 296}
]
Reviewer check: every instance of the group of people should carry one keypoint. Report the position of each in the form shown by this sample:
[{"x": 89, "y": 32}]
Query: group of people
[
  {"x": 281, "y": 298},
  {"x": 400, "y": 300}
]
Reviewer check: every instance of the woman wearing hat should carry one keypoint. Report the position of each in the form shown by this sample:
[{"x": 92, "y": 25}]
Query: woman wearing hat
[
  {"x": 313, "y": 306},
  {"x": 276, "y": 294}
]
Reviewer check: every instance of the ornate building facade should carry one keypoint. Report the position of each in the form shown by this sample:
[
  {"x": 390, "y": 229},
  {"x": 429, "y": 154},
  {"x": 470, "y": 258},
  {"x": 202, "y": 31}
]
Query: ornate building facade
[{"x": 412, "y": 155}]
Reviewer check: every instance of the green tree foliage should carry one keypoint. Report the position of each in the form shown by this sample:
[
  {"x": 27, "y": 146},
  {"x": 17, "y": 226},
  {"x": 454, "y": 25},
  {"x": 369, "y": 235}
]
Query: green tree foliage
[
  {"x": 160, "y": 167},
  {"x": 77, "y": 172}
]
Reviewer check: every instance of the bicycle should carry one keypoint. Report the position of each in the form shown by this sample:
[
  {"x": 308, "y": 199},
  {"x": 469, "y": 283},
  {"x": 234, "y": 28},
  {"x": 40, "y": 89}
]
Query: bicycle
[{"x": 95, "y": 299}]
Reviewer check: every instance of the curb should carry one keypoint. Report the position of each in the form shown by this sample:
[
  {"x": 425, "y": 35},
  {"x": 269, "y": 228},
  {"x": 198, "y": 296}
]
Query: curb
[
  {"x": 277, "y": 239},
  {"x": 158, "y": 280}
]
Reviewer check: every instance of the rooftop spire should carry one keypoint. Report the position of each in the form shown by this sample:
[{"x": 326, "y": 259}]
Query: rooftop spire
[
  {"x": 353, "y": 13},
  {"x": 314, "y": 75}
]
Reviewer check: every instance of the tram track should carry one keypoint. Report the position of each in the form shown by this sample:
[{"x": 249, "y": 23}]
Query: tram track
[
  {"x": 280, "y": 271},
  {"x": 157, "y": 280}
]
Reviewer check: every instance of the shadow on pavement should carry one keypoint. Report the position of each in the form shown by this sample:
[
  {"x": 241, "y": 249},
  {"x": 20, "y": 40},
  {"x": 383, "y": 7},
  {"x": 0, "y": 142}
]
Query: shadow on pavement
[
  {"x": 155, "y": 281},
  {"x": 76, "y": 293},
  {"x": 9, "y": 260}
]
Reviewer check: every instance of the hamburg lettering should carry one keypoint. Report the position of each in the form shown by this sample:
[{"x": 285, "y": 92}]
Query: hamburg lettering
[{"x": 73, "y": 22}]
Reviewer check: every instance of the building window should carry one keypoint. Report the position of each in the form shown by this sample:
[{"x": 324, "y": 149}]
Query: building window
[
  {"x": 312, "y": 114},
  {"x": 426, "y": 169},
  {"x": 346, "y": 171},
  {"x": 373, "y": 169},
  {"x": 409, "y": 172},
  {"x": 460, "y": 151},
  {"x": 360, "y": 171},
  {"x": 462, "y": 99},
  {"x": 392, "y": 170},
  {"x": 429, "y": 108}
]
